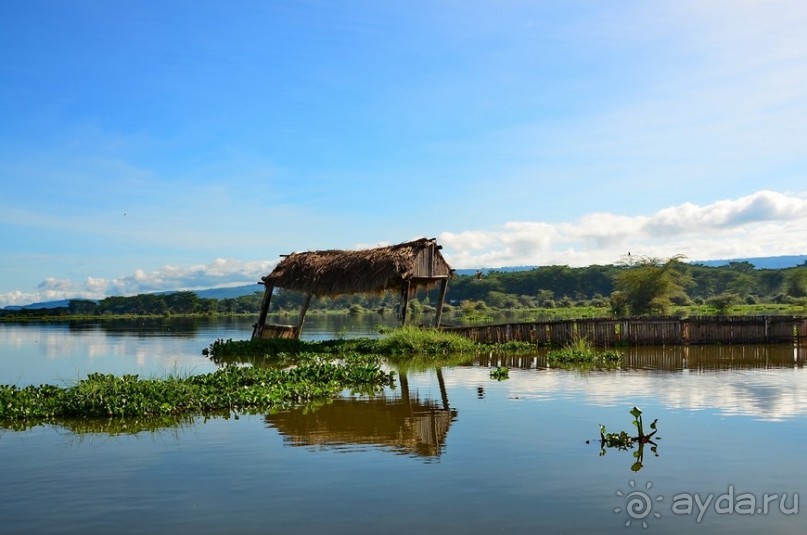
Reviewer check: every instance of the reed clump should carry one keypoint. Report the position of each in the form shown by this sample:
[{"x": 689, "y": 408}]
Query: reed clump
[
  {"x": 405, "y": 341},
  {"x": 422, "y": 341},
  {"x": 581, "y": 350}
]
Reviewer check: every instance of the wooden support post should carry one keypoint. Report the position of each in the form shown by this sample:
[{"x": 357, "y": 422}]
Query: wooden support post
[
  {"x": 440, "y": 300},
  {"x": 302, "y": 315},
  {"x": 267, "y": 299},
  {"x": 404, "y": 301}
]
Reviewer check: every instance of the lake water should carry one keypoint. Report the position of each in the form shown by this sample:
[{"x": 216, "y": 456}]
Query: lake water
[{"x": 447, "y": 450}]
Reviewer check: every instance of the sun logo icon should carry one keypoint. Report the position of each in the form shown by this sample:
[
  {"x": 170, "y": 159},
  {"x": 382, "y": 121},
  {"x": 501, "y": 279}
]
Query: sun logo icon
[{"x": 638, "y": 504}]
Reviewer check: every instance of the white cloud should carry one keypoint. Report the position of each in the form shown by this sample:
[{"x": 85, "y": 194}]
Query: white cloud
[
  {"x": 765, "y": 223},
  {"x": 773, "y": 396},
  {"x": 219, "y": 273},
  {"x": 759, "y": 207}
]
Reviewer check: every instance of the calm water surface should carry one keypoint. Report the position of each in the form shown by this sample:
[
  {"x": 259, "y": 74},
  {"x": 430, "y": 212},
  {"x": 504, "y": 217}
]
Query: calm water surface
[
  {"x": 448, "y": 450},
  {"x": 61, "y": 352}
]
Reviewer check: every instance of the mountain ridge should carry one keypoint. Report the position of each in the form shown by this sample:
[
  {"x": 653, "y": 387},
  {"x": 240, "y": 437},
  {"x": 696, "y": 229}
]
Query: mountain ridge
[{"x": 230, "y": 292}]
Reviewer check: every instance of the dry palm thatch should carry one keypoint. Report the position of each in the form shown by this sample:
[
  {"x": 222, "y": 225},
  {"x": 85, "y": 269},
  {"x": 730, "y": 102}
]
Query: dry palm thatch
[{"x": 338, "y": 272}]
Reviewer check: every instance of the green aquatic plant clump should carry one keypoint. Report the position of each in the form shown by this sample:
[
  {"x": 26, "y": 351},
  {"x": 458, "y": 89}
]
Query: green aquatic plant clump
[
  {"x": 562, "y": 356},
  {"x": 581, "y": 350},
  {"x": 231, "y": 388},
  {"x": 500, "y": 373},
  {"x": 415, "y": 341},
  {"x": 624, "y": 441}
]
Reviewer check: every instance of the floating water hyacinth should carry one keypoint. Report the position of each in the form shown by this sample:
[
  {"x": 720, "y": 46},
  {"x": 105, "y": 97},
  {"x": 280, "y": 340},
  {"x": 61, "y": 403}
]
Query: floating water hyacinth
[{"x": 625, "y": 441}]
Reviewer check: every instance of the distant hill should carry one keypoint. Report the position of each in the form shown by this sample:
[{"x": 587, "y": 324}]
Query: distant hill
[
  {"x": 37, "y": 306},
  {"x": 763, "y": 262},
  {"x": 212, "y": 293},
  {"x": 760, "y": 262},
  {"x": 229, "y": 293}
]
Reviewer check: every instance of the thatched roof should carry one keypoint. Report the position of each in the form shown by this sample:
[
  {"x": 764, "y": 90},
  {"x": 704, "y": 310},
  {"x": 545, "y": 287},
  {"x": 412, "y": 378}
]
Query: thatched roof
[{"x": 337, "y": 272}]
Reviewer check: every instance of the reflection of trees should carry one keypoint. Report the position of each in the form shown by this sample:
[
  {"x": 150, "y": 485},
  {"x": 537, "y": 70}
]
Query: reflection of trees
[
  {"x": 126, "y": 426},
  {"x": 109, "y": 426},
  {"x": 143, "y": 326},
  {"x": 405, "y": 424},
  {"x": 148, "y": 326}
]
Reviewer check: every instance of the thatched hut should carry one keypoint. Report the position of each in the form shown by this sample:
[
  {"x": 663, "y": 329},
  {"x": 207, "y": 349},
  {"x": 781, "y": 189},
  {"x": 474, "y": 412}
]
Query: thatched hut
[{"x": 406, "y": 267}]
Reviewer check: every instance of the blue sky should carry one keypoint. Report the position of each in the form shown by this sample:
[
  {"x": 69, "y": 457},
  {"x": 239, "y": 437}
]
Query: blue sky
[{"x": 169, "y": 144}]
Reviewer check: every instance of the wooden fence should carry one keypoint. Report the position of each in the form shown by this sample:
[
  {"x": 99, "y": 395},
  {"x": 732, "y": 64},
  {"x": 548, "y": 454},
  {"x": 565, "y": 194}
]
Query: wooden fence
[{"x": 646, "y": 331}]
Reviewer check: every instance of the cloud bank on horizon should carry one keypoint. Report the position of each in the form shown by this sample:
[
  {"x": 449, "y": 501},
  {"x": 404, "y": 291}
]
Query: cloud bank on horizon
[
  {"x": 220, "y": 272},
  {"x": 175, "y": 145},
  {"x": 766, "y": 223}
]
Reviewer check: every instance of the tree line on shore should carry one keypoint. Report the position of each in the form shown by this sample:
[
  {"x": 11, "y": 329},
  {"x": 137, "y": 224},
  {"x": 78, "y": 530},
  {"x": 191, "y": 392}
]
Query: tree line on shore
[{"x": 639, "y": 285}]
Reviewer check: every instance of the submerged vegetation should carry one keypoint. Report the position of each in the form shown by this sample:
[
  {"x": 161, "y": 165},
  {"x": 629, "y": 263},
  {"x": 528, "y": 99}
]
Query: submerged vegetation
[{"x": 231, "y": 389}]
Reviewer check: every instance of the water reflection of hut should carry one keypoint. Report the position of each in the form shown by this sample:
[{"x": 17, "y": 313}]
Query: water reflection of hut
[
  {"x": 408, "y": 267},
  {"x": 404, "y": 424}
]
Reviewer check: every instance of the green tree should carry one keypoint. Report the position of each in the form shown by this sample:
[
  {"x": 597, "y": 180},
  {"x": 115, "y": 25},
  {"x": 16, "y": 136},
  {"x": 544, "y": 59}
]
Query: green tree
[
  {"x": 543, "y": 296},
  {"x": 743, "y": 281},
  {"x": 646, "y": 285},
  {"x": 181, "y": 302},
  {"x": 723, "y": 302},
  {"x": 796, "y": 282},
  {"x": 82, "y": 307},
  {"x": 113, "y": 305},
  {"x": 501, "y": 300}
]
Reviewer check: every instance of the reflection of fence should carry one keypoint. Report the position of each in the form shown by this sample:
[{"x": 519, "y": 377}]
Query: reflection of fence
[
  {"x": 737, "y": 357},
  {"x": 647, "y": 331},
  {"x": 692, "y": 357}
]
